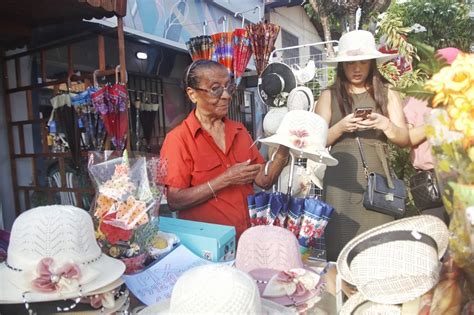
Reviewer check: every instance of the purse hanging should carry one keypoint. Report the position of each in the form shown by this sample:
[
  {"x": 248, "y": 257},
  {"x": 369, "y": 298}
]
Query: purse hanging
[
  {"x": 425, "y": 190},
  {"x": 383, "y": 195}
]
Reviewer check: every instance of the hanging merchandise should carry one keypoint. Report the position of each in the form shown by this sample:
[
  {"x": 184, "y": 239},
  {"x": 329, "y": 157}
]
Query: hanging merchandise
[
  {"x": 242, "y": 51},
  {"x": 263, "y": 36},
  {"x": 224, "y": 49},
  {"x": 148, "y": 115},
  {"x": 201, "y": 47},
  {"x": 111, "y": 103}
]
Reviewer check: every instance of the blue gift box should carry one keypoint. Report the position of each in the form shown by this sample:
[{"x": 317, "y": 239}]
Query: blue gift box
[{"x": 210, "y": 241}]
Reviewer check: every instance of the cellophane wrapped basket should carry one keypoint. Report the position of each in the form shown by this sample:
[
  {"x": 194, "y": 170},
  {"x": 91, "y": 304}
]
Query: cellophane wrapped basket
[{"x": 129, "y": 188}]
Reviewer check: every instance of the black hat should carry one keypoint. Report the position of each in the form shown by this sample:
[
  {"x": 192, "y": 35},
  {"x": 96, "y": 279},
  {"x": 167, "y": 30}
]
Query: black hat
[{"x": 275, "y": 82}]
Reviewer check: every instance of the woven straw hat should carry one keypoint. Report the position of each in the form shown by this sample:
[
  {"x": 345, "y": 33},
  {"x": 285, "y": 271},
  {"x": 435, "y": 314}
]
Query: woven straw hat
[
  {"x": 358, "y": 305},
  {"x": 273, "y": 119},
  {"x": 300, "y": 97},
  {"x": 301, "y": 180},
  {"x": 265, "y": 252},
  {"x": 59, "y": 241},
  {"x": 395, "y": 262},
  {"x": 305, "y": 133},
  {"x": 358, "y": 45},
  {"x": 276, "y": 81},
  {"x": 215, "y": 289}
]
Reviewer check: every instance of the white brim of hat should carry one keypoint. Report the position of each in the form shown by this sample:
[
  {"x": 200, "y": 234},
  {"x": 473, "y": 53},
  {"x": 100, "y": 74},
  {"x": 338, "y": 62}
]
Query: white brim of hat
[
  {"x": 380, "y": 57},
  {"x": 321, "y": 156},
  {"x": 426, "y": 224},
  {"x": 109, "y": 270},
  {"x": 268, "y": 308},
  {"x": 358, "y": 305}
]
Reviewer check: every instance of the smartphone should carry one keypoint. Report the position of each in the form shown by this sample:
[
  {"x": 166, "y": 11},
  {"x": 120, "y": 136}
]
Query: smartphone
[{"x": 363, "y": 112}]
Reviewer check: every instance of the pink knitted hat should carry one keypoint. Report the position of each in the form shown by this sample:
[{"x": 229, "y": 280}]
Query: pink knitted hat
[
  {"x": 448, "y": 53},
  {"x": 271, "y": 255}
]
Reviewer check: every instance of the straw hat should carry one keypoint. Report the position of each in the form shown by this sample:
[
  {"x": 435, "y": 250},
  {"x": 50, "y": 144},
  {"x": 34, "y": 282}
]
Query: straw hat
[
  {"x": 271, "y": 255},
  {"x": 395, "y": 262},
  {"x": 276, "y": 81},
  {"x": 53, "y": 255},
  {"x": 305, "y": 133},
  {"x": 358, "y": 305},
  {"x": 306, "y": 74},
  {"x": 301, "y": 180},
  {"x": 215, "y": 289},
  {"x": 358, "y": 45},
  {"x": 273, "y": 119},
  {"x": 301, "y": 97}
]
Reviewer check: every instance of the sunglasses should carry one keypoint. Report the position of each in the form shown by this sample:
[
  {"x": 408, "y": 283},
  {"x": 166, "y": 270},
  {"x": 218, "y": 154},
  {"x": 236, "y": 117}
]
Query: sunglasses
[{"x": 219, "y": 90}]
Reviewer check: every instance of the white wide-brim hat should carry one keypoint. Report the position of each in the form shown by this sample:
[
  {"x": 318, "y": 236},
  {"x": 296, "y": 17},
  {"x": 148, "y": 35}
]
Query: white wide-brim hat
[
  {"x": 305, "y": 134},
  {"x": 66, "y": 235},
  {"x": 273, "y": 119},
  {"x": 215, "y": 289},
  {"x": 301, "y": 97},
  {"x": 358, "y": 305},
  {"x": 276, "y": 81},
  {"x": 395, "y": 262},
  {"x": 358, "y": 45}
]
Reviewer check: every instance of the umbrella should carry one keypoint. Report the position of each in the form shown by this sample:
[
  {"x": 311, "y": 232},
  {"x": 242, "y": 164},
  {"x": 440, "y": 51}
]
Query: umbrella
[
  {"x": 263, "y": 37},
  {"x": 200, "y": 47},
  {"x": 147, "y": 119},
  {"x": 242, "y": 51},
  {"x": 111, "y": 103},
  {"x": 224, "y": 50}
]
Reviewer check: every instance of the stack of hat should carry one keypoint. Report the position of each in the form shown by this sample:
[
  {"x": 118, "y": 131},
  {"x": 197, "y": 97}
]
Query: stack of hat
[
  {"x": 271, "y": 256},
  {"x": 392, "y": 264},
  {"x": 54, "y": 263}
]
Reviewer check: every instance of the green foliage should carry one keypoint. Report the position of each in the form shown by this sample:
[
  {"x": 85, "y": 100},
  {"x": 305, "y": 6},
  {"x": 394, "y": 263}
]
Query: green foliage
[{"x": 447, "y": 22}]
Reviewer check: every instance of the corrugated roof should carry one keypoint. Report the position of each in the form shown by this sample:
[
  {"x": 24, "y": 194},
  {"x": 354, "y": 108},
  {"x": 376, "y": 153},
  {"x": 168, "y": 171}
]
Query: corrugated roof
[{"x": 18, "y": 17}]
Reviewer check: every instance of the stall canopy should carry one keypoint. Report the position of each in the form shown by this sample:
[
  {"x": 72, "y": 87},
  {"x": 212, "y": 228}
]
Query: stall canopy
[{"x": 19, "y": 17}]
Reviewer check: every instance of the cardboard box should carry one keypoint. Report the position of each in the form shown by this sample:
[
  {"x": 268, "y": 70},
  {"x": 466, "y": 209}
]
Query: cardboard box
[{"x": 211, "y": 241}]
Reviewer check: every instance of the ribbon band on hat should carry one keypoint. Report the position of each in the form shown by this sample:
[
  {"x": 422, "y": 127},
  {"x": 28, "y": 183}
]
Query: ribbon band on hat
[
  {"x": 296, "y": 282},
  {"x": 387, "y": 237}
]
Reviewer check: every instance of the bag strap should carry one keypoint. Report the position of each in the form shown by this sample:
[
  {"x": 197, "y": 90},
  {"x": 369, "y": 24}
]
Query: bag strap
[{"x": 364, "y": 163}]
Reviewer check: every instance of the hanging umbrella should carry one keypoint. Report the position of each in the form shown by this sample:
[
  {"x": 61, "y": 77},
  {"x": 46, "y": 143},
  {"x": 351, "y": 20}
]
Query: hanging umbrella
[
  {"x": 224, "y": 50},
  {"x": 263, "y": 37},
  {"x": 111, "y": 103},
  {"x": 200, "y": 47},
  {"x": 242, "y": 51},
  {"x": 148, "y": 115}
]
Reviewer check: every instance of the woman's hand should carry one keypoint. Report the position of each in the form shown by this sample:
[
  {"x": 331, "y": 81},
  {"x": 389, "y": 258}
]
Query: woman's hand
[
  {"x": 349, "y": 123},
  {"x": 374, "y": 121},
  {"x": 241, "y": 173}
]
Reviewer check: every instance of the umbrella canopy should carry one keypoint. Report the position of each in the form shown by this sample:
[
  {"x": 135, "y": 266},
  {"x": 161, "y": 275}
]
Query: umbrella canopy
[
  {"x": 200, "y": 47},
  {"x": 242, "y": 51},
  {"x": 224, "y": 49},
  {"x": 263, "y": 37}
]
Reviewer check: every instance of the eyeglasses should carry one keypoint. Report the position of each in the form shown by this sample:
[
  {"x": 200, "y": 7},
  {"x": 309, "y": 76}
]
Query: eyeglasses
[{"x": 219, "y": 90}]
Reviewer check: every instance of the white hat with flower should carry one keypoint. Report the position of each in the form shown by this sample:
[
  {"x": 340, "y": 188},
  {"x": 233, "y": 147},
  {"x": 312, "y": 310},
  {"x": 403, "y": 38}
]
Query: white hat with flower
[
  {"x": 305, "y": 133},
  {"x": 53, "y": 255}
]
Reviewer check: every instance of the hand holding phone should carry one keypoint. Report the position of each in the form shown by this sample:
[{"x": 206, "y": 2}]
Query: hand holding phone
[{"x": 362, "y": 112}]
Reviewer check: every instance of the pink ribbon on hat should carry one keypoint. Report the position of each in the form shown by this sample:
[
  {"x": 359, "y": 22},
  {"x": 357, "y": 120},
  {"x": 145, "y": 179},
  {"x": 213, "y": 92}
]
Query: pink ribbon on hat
[
  {"x": 297, "y": 138},
  {"x": 294, "y": 282},
  {"x": 50, "y": 280}
]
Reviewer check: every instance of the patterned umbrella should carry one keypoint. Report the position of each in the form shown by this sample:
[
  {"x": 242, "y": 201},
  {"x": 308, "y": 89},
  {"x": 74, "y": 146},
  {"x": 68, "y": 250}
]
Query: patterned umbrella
[
  {"x": 223, "y": 44},
  {"x": 242, "y": 52},
  {"x": 263, "y": 37},
  {"x": 200, "y": 47}
]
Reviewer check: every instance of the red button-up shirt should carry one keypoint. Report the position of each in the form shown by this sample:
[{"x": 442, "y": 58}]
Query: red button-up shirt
[{"x": 194, "y": 158}]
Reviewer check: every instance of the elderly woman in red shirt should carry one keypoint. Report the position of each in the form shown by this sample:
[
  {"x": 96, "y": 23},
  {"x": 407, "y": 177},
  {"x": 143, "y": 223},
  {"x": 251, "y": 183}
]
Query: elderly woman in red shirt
[{"x": 212, "y": 160}]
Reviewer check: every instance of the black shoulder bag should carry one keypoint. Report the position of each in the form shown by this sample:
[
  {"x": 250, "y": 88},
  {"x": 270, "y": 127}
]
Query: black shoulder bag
[
  {"x": 383, "y": 195},
  {"x": 425, "y": 190}
]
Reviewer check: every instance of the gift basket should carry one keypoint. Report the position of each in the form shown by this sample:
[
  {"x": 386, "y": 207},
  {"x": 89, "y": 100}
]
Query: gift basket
[
  {"x": 306, "y": 217},
  {"x": 129, "y": 189}
]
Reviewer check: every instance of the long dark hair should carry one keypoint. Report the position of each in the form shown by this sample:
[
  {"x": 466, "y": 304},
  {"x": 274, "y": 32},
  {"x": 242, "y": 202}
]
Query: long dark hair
[{"x": 375, "y": 85}]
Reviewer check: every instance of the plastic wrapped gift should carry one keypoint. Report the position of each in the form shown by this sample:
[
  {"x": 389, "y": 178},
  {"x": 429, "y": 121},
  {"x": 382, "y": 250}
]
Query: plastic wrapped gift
[{"x": 126, "y": 206}]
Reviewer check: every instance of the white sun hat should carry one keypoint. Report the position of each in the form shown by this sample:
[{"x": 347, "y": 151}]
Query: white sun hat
[
  {"x": 358, "y": 305},
  {"x": 305, "y": 133},
  {"x": 358, "y": 45},
  {"x": 395, "y": 262},
  {"x": 216, "y": 289},
  {"x": 301, "y": 184},
  {"x": 53, "y": 255},
  {"x": 306, "y": 74},
  {"x": 301, "y": 97},
  {"x": 273, "y": 119}
]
